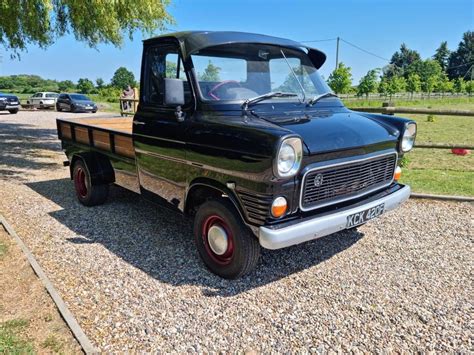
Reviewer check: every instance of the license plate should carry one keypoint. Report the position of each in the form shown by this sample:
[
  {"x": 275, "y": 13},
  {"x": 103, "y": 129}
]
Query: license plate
[
  {"x": 14, "y": 103},
  {"x": 88, "y": 106},
  {"x": 364, "y": 216}
]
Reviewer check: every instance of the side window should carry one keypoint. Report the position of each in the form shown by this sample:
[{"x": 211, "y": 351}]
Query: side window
[{"x": 161, "y": 63}]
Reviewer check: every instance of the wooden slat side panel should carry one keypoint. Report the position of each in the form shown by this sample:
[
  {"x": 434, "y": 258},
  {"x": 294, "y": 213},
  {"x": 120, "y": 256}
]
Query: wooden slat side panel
[
  {"x": 124, "y": 146},
  {"x": 65, "y": 130},
  {"x": 101, "y": 140},
  {"x": 82, "y": 135}
]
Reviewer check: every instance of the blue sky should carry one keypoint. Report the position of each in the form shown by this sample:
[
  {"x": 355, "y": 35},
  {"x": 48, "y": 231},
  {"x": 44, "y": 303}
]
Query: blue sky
[{"x": 378, "y": 26}]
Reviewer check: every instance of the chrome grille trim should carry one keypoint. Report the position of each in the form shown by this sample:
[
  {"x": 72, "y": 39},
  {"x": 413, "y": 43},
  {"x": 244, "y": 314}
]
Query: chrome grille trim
[{"x": 351, "y": 165}]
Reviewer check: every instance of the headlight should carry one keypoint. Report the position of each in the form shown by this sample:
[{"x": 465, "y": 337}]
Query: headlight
[
  {"x": 289, "y": 157},
  {"x": 408, "y": 139}
]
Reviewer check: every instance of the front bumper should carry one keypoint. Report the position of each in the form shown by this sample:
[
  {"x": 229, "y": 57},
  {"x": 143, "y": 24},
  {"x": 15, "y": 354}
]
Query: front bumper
[{"x": 320, "y": 226}]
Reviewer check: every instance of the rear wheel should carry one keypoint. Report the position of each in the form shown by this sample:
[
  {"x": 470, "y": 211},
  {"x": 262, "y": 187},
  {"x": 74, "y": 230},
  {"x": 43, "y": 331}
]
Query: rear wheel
[
  {"x": 224, "y": 242},
  {"x": 88, "y": 194}
]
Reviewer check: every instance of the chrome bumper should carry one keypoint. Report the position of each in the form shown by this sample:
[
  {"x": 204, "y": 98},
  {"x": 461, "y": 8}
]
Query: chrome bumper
[{"x": 321, "y": 226}]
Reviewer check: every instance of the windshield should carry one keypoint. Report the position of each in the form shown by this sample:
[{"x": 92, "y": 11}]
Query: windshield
[
  {"x": 52, "y": 95},
  {"x": 244, "y": 71},
  {"x": 79, "y": 97}
]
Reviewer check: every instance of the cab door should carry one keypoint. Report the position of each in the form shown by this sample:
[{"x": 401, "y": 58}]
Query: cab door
[{"x": 159, "y": 130}]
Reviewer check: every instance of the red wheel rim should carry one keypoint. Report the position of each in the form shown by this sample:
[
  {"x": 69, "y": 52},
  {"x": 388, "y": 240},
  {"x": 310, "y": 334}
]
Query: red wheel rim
[
  {"x": 80, "y": 182},
  {"x": 226, "y": 257}
]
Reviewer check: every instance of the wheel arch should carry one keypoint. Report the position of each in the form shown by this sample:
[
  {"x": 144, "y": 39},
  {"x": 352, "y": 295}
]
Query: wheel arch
[
  {"x": 99, "y": 167},
  {"x": 200, "y": 189}
]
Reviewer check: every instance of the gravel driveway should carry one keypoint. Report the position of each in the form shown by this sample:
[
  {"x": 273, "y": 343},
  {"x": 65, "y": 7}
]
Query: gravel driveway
[{"x": 129, "y": 271}]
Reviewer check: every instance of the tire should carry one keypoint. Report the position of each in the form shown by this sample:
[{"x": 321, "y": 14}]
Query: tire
[
  {"x": 88, "y": 194},
  {"x": 59, "y": 109},
  {"x": 14, "y": 111},
  {"x": 239, "y": 255},
  {"x": 72, "y": 109},
  {"x": 94, "y": 111}
]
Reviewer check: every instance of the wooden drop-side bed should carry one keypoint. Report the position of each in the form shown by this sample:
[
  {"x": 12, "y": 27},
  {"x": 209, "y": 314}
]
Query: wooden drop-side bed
[{"x": 110, "y": 134}]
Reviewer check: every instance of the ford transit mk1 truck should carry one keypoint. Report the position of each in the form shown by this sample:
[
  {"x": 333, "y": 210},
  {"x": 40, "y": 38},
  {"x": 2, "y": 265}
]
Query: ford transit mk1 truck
[{"x": 239, "y": 132}]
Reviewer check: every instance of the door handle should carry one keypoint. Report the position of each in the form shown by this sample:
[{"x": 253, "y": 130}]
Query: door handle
[{"x": 139, "y": 123}]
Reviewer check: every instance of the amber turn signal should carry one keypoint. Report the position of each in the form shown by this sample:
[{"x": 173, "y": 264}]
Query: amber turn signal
[
  {"x": 398, "y": 173},
  {"x": 279, "y": 207}
]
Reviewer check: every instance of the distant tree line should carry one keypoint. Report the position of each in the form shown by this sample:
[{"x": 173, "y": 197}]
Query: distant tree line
[
  {"x": 445, "y": 71},
  {"x": 29, "y": 84}
]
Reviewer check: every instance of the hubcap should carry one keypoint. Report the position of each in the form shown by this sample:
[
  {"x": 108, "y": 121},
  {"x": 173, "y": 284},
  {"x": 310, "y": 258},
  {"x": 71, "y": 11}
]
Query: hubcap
[
  {"x": 218, "y": 240},
  {"x": 80, "y": 182}
]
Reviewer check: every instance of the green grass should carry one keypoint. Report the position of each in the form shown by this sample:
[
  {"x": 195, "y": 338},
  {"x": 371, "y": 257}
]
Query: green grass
[
  {"x": 53, "y": 344},
  {"x": 11, "y": 342},
  {"x": 3, "y": 250},
  {"x": 461, "y": 103},
  {"x": 438, "y": 171}
]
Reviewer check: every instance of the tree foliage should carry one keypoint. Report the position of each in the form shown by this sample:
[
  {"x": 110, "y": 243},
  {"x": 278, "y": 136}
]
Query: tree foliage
[
  {"x": 122, "y": 78},
  {"x": 211, "y": 73},
  {"x": 340, "y": 80},
  {"x": 403, "y": 58},
  {"x": 368, "y": 83},
  {"x": 442, "y": 55},
  {"x": 99, "y": 82},
  {"x": 413, "y": 83},
  {"x": 462, "y": 59},
  {"x": 85, "y": 86},
  {"x": 41, "y": 22}
]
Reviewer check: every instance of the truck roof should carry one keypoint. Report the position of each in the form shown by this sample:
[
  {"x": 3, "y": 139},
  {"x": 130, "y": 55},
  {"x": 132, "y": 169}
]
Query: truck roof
[{"x": 193, "y": 41}]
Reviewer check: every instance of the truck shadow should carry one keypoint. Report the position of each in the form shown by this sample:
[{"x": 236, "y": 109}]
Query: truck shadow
[
  {"x": 160, "y": 242},
  {"x": 25, "y": 148}
]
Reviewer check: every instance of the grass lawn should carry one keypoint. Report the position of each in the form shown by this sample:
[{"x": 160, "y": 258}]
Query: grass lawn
[{"x": 438, "y": 171}]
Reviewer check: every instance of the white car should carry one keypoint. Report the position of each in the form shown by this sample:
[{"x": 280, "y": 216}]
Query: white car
[{"x": 43, "y": 99}]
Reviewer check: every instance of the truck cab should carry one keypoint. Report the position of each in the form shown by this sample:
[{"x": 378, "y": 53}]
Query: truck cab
[{"x": 239, "y": 132}]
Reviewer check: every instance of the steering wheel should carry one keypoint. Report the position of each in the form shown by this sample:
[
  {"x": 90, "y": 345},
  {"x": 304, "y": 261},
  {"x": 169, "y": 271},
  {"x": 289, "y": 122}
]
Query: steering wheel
[{"x": 212, "y": 93}]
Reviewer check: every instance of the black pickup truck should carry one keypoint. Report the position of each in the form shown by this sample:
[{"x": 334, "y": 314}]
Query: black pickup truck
[{"x": 240, "y": 132}]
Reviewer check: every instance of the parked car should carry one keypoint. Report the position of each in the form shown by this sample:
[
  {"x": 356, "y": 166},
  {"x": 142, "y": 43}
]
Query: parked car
[
  {"x": 43, "y": 99},
  {"x": 262, "y": 154},
  {"x": 9, "y": 103},
  {"x": 75, "y": 103}
]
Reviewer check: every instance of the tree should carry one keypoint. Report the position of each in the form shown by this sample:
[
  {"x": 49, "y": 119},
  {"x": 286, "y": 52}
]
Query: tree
[
  {"x": 122, "y": 78},
  {"x": 462, "y": 59},
  {"x": 459, "y": 85},
  {"x": 470, "y": 87},
  {"x": 442, "y": 55},
  {"x": 85, "y": 86},
  {"x": 99, "y": 82},
  {"x": 66, "y": 85},
  {"x": 382, "y": 89},
  {"x": 444, "y": 85},
  {"x": 368, "y": 83},
  {"x": 211, "y": 73},
  {"x": 413, "y": 83},
  {"x": 340, "y": 79},
  {"x": 403, "y": 58},
  {"x": 395, "y": 85},
  {"x": 41, "y": 22}
]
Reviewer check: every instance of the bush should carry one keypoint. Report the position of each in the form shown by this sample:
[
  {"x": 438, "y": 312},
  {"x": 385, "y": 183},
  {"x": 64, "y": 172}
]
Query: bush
[{"x": 430, "y": 118}]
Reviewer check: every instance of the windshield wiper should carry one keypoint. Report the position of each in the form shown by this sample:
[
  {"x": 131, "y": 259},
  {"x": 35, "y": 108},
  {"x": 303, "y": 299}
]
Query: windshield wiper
[
  {"x": 316, "y": 98},
  {"x": 269, "y": 95}
]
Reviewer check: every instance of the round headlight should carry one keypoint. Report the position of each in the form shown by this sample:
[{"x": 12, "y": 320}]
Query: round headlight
[
  {"x": 408, "y": 139},
  {"x": 289, "y": 157}
]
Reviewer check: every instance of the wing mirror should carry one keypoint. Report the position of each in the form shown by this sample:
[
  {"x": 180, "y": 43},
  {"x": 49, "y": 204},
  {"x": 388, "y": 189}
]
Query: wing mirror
[{"x": 174, "y": 96}]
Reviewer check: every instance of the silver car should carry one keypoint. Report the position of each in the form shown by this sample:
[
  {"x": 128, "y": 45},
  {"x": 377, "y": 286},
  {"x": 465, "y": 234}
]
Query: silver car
[{"x": 43, "y": 99}]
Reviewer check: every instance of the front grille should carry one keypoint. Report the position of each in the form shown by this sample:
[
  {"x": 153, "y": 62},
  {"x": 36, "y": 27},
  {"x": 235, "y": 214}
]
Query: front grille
[
  {"x": 335, "y": 183},
  {"x": 12, "y": 99}
]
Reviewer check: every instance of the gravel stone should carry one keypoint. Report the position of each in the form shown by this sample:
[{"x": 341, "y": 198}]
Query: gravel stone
[{"x": 130, "y": 273}]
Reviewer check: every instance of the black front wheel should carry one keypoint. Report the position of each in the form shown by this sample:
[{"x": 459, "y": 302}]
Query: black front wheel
[
  {"x": 14, "y": 111},
  {"x": 88, "y": 194},
  {"x": 224, "y": 242},
  {"x": 59, "y": 109}
]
